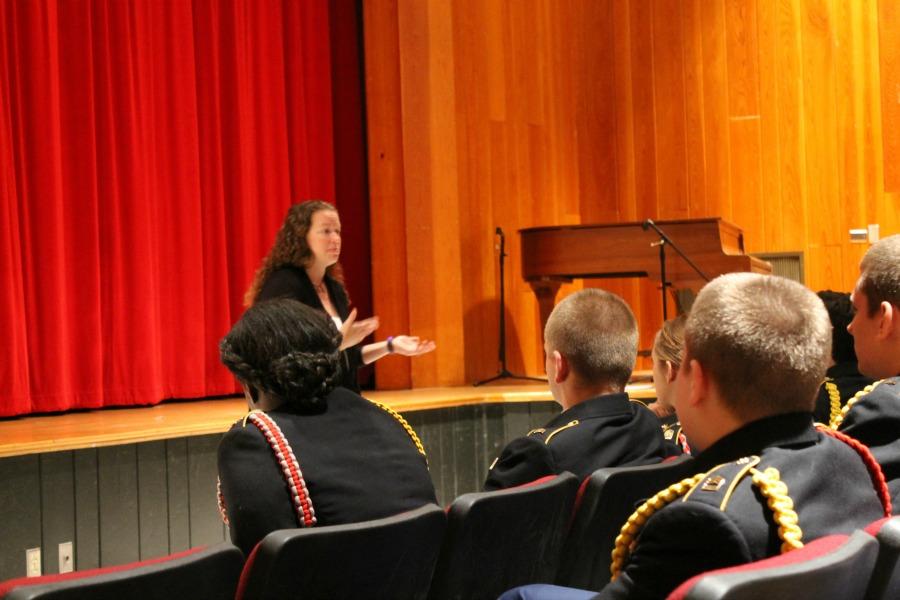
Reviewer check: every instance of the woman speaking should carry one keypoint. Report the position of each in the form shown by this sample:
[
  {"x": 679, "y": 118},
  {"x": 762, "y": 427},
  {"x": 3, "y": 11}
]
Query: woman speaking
[{"x": 303, "y": 265}]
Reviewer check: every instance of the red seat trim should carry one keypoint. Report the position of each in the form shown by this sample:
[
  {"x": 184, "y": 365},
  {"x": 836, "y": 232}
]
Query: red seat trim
[
  {"x": 815, "y": 549},
  {"x": 10, "y": 584},
  {"x": 245, "y": 574}
]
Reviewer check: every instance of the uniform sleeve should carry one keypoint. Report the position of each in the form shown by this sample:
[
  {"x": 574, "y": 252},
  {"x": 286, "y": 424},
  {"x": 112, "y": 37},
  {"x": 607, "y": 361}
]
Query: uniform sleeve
[
  {"x": 682, "y": 540},
  {"x": 256, "y": 496},
  {"x": 523, "y": 460}
]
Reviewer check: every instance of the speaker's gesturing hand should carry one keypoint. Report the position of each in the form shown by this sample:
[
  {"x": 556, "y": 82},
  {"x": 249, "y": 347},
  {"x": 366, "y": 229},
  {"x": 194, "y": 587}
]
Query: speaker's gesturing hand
[
  {"x": 356, "y": 331},
  {"x": 411, "y": 345}
]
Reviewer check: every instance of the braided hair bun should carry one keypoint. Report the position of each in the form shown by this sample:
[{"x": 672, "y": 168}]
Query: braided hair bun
[{"x": 286, "y": 349}]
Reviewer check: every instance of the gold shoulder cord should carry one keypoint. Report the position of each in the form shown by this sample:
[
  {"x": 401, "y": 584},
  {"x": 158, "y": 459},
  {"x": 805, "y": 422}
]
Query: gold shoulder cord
[
  {"x": 625, "y": 540},
  {"x": 770, "y": 485},
  {"x": 834, "y": 399},
  {"x": 406, "y": 426},
  {"x": 776, "y": 493},
  {"x": 837, "y": 420}
]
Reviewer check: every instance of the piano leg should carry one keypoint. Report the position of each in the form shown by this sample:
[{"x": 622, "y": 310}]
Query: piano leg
[{"x": 545, "y": 290}]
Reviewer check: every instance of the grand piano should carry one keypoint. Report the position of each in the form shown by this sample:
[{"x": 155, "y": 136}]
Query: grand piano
[{"x": 552, "y": 256}]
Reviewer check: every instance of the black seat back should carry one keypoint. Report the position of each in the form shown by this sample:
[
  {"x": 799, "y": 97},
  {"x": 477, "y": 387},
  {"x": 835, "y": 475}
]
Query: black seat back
[
  {"x": 384, "y": 558},
  {"x": 498, "y": 540},
  {"x": 885, "y": 584},
  {"x": 606, "y": 501},
  {"x": 210, "y": 572},
  {"x": 836, "y": 566}
]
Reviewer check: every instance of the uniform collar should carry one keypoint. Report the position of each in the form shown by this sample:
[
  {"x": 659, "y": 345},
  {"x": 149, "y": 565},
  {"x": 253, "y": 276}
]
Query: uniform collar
[
  {"x": 792, "y": 429},
  {"x": 599, "y": 406},
  {"x": 844, "y": 369}
]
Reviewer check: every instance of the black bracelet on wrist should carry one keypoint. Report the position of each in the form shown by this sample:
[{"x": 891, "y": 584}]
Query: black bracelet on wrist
[{"x": 390, "y": 344}]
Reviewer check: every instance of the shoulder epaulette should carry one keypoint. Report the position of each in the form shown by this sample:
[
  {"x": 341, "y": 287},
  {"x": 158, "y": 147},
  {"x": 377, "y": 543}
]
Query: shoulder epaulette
[
  {"x": 718, "y": 484},
  {"x": 569, "y": 425},
  {"x": 837, "y": 420},
  {"x": 406, "y": 426},
  {"x": 721, "y": 482}
]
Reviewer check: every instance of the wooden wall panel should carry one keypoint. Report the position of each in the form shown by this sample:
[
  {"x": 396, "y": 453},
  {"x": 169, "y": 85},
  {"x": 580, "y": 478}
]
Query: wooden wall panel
[
  {"x": 118, "y": 505},
  {"x": 57, "y": 508},
  {"x": 87, "y": 510},
  {"x": 889, "y": 43},
  {"x": 782, "y": 116}
]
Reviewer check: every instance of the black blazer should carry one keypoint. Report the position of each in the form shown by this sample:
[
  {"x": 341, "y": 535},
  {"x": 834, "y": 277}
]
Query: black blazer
[
  {"x": 289, "y": 281},
  {"x": 358, "y": 461},
  {"x": 606, "y": 431},
  {"x": 715, "y": 526}
]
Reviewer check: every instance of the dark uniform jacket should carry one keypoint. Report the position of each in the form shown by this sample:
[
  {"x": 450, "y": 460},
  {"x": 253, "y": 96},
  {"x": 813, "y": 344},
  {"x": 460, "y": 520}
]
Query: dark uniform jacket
[
  {"x": 358, "y": 462},
  {"x": 848, "y": 379},
  {"x": 289, "y": 281},
  {"x": 874, "y": 420},
  {"x": 606, "y": 431},
  {"x": 716, "y": 527}
]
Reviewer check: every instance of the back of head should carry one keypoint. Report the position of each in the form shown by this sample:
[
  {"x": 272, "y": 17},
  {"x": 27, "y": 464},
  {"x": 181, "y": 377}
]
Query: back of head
[
  {"x": 669, "y": 342},
  {"x": 286, "y": 349},
  {"x": 764, "y": 340},
  {"x": 597, "y": 333},
  {"x": 840, "y": 312},
  {"x": 880, "y": 273}
]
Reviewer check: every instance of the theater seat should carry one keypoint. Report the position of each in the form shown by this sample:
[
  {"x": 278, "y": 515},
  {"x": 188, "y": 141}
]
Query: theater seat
[
  {"x": 606, "y": 500},
  {"x": 384, "y": 558},
  {"x": 500, "y": 539},
  {"x": 203, "y": 572},
  {"x": 835, "y": 566},
  {"x": 885, "y": 584}
]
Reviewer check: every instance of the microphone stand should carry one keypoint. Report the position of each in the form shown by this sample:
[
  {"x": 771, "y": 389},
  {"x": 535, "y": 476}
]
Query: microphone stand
[
  {"x": 664, "y": 241},
  {"x": 504, "y": 371}
]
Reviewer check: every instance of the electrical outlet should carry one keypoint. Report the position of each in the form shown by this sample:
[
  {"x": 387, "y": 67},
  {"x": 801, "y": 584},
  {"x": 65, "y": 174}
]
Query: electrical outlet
[
  {"x": 33, "y": 562},
  {"x": 66, "y": 557}
]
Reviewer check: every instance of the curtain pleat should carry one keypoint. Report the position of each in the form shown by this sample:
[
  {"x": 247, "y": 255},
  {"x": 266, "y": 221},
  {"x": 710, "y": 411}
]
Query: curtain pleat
[{"x": 148, "y": 152}]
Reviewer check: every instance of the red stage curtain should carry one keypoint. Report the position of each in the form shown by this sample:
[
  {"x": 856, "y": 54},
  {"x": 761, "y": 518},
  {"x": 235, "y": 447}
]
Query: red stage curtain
[{"x": 148, "y": 152}]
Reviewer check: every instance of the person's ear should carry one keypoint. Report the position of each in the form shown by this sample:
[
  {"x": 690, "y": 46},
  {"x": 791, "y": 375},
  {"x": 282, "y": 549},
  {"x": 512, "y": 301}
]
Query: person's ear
[
  {"x": 888, "y": 321},
  {"x": 698, "y": 380},
  {"x": 561, "y": 366},
  {"x": 671, "y": 372}
]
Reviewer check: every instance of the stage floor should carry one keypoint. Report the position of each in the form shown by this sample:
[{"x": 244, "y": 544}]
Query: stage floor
[{"x": 95, "y": 428}]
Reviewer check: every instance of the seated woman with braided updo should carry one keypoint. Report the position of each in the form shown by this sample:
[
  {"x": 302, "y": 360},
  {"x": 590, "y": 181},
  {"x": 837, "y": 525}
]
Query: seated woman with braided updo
[{"x": 309, "y": 452}]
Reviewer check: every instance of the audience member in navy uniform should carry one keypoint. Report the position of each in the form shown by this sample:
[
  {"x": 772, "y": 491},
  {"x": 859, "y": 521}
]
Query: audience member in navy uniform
[
  {"x": 842, "y": 379},
  {"x": 590, "y": 342},
  {"x": 668, "y": 348},
  {"x": 756, "y": 348},
  {"x": 874, "y": 418},
  {"x": 345, "y": 459}
]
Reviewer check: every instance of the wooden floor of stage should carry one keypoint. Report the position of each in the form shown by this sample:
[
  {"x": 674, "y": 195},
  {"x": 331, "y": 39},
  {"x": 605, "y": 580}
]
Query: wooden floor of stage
[{"x": 96, "y": 428}]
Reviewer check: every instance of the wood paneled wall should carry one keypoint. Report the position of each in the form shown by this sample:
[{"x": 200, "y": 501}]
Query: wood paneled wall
[{"x": 779, "y": 115}]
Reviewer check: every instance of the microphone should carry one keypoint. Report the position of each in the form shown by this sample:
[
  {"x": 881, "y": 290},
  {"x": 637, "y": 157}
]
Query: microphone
[
  {"x": 498, "y": 231},
  {"x": 646, "y": 224}
]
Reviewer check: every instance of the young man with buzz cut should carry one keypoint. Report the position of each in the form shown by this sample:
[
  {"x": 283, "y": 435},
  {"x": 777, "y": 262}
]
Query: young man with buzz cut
[{"x": 590, "y": 342}]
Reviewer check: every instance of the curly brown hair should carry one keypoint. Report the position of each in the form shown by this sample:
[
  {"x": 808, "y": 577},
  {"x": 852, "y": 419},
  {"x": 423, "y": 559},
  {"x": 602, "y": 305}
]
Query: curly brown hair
[{"x": 290, "y": 247}]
